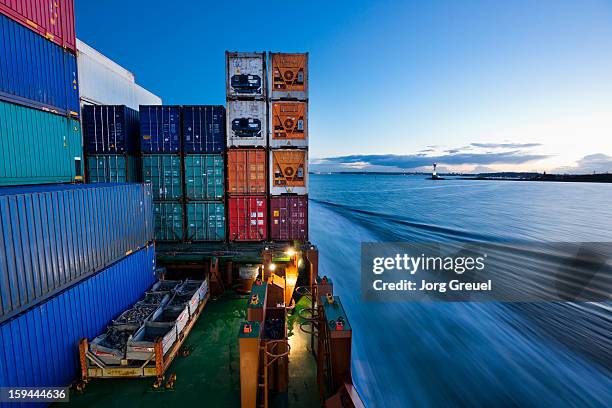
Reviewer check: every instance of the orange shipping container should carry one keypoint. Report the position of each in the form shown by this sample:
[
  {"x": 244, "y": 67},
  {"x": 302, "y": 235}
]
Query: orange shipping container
[
  {"x": 246, "y": 171},
  {"x": 289, "y": 124},
  {"x": 289, "y": 76},
  {"x": 288, "y": 171}
]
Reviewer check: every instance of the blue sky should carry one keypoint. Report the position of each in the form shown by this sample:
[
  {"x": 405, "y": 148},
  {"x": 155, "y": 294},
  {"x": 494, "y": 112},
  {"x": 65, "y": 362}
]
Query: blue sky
[{"x": 473, "y": 85}]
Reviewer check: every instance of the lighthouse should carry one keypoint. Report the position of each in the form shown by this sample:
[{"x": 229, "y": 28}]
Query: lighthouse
[{"x": 434, "y": 175}]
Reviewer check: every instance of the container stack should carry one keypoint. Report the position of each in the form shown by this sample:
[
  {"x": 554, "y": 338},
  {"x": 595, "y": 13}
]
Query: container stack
[
  {"x": 71, "y": 262},
  {"x": 203, "y": 130},
  {"x": 73, "y": 255},
  {"x": 111, "y": 134},
  {"x": 247, "y": 141},
  {"x": 39, "y": 96},
  {"x": 288, "y": 156},
  {"x": 160, "y": 131}
]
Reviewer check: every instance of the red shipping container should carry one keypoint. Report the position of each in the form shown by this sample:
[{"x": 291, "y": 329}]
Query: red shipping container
[
  {"x": 53, "y": 19},
  {"x": 248, "y": 218},
  {"x": 289, "y": 218}
]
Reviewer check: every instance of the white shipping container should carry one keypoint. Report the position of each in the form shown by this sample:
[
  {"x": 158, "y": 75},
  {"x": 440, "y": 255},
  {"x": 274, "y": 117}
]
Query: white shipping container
[
  {"x": 104, "y": 82},
  {"x": 247, "y": 123},
  {"x": 245, "y": 75}
]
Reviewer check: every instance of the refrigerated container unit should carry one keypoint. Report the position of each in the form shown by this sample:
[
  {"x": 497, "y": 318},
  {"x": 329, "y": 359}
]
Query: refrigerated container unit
[
  {"x": 247, "y": 124},
  {"x": 204, "y": 177},
  {"x": 288, "y": 171},
  {"x": 288, "y": 76},
  {"x": 53, "y": 20},
  {"x": 165, "y": 174},
  {"x": 54, "y": 236},
  {"x": 160, "y": 129},
  {"x": 36, "y": 72},
  {"x": 288, "y": 124},
  {"x": 247, "y": 218},
  {"x": 205, "y": 221},
  {"x": 203, "y": 129},
  {"x": 246, "y": 171},
  {"x": 40, "y": 345},
  {"x": 38, "y": 147},
  {"x": 168, "y": 218},
  {"x": 245, "y": 75},
  {"x": 111, "y": 129},
  {"x": 289, "y": 218},
  {"x": 113, "y": 168}
]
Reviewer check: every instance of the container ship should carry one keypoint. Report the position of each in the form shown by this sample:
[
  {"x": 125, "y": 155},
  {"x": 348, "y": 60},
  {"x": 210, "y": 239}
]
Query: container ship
[{"x": 151, "y": 254}]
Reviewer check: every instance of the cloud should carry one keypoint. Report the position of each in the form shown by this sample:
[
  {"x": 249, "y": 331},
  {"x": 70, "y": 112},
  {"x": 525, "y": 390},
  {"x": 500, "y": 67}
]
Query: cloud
[
  {"x": 506, "y": 145},
  {"x": 592, "y": 163},
  {"x": 416, "y": 160}
]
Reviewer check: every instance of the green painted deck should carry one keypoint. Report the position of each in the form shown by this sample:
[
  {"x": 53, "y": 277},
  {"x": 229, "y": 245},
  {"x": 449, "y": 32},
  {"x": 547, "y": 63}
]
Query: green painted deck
[{"x": 210, "y": 375}]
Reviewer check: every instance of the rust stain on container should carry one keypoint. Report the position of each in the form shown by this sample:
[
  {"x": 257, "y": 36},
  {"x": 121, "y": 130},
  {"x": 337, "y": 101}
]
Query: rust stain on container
[{"x": 246, "y": 171}]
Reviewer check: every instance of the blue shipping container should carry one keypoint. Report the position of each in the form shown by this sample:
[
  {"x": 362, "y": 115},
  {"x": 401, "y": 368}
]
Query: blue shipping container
[
  {"x": 110, "y": 129},
  {"x": 203, "y": 129},
  {"x": 40, "y": 347},
  {"x": 53, "y": 236},
  {"x": 35, "y": 71},
  {"x": 160, "y": 129}
]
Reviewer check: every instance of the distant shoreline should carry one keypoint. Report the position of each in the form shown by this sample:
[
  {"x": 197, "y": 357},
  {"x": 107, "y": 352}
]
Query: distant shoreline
[{"x": 567, "y": 178}]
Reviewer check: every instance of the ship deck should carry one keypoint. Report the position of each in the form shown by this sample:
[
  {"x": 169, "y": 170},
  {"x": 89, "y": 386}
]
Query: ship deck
[{"x": 210, "y": 374}]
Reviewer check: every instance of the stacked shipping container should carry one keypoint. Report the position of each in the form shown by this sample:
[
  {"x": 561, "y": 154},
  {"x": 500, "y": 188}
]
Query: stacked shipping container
[
  {"x": 40, "y": 346},
  {"x": 183, "y": 160},
  {"x": 247, "y": 141},
  {"x": 69, "y": 261},
  {"x": 39, "y": 96},
  {"x": 288, "y": 157},
  {"x": 160, "y": 133},
  {"x": 203, "y": 133},
  {"x": 111, "y": 134}
]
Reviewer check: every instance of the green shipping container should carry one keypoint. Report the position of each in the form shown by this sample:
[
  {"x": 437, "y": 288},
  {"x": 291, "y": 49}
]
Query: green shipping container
[
  {"x": 204, "y": 176},
  {"x": 205, "y": 221},
  {"x": 38, "y": 147},
  {"x": 113, "y": 168},
  {"x": 168, "y": 221},
  {"x": 164, "y": 172}
]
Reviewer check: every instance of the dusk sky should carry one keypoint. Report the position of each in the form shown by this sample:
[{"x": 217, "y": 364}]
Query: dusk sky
[{"x": 472, "y": 85}]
